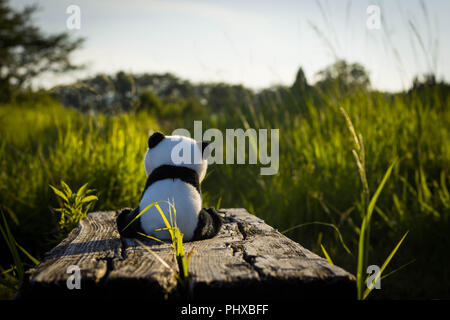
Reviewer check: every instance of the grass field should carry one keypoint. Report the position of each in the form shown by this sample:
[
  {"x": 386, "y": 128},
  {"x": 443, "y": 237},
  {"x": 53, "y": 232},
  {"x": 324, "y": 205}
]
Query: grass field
[{"x": 42, "y": 143}]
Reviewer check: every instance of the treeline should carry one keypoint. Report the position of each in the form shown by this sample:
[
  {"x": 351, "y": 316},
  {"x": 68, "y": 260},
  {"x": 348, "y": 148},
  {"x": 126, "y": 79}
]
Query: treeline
[
  {"x": 163, "y": 95},
  {"x": 167, "y": 96}
]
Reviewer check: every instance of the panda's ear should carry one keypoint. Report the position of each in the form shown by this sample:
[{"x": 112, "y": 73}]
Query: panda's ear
[{"x": 155, "y": 139}]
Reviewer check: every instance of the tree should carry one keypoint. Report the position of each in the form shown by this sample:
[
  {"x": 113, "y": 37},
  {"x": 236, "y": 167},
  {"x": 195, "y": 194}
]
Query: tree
[
  {"x": 125, "y": 89},
  {"x": 344, "y": 76},
  {"x": 300, "y": 90},
  {"x": 224, "y": 98},
  {"x": 300, "y": 83},
  {"x": 430, "y": 90},
  {"x": 26, "y": 52},
  {"x": 149, "y": 101}
]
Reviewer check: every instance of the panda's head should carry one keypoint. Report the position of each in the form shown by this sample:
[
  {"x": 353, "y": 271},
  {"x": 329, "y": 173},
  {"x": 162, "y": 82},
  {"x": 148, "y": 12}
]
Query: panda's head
[{"x": 175, "y": 151}]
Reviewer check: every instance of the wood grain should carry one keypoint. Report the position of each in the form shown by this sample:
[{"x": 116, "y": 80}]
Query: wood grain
[{"x": 248, "y": 259}]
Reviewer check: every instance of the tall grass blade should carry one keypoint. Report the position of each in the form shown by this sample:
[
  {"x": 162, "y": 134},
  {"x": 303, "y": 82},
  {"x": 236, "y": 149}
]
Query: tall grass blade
[
  {"x": 11, "y": 243},
  {"x": 398, "y": 269},
  {"x": 326, "y": 254},
  {"x": 341, "y": 239},
  {"x": 377, "y": 193},
  {"x": 29, "y": 256},
  {"x": 362, "y": 247},
  {"x": 364, "y": 237},
  {"x": 383, "y": 267}
]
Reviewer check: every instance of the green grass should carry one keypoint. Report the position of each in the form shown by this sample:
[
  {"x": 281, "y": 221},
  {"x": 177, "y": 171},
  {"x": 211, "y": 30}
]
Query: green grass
[
  {"x": 42, "y": 144},
  {"x": 318, "y": 181},
  {"x": 75, "y": 205},
  {"x": 12, "y": 277},
  {"x": 368, "y": 207},
  {"x": 176, "y": 237}
]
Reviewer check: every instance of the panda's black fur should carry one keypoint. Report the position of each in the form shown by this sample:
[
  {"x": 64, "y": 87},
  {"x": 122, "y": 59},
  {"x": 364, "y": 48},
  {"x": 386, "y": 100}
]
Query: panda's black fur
[{"x": 208, "y": 221}]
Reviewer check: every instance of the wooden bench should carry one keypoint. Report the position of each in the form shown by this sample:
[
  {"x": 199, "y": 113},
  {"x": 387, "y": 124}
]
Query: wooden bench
[{"x": 248, "y": 259}]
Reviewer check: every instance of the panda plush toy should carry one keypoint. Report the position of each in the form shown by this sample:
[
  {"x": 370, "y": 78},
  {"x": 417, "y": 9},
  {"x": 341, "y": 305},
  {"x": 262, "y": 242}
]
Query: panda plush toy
[{"x": 177, "y": 181}]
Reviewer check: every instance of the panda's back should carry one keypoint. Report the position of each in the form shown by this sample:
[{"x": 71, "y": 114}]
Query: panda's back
[{"x": 188, "y": 204}]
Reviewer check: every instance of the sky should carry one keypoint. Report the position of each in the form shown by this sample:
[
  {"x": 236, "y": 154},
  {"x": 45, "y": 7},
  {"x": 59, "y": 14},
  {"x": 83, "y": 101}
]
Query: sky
[{"x": 254, "y": 43}]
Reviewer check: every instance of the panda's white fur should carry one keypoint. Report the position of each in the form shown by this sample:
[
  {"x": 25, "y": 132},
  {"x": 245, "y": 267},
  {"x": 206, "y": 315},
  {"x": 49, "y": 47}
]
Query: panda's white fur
[
  {"x": 186, "y": 197},
  {"x": 161, "y": 154}
]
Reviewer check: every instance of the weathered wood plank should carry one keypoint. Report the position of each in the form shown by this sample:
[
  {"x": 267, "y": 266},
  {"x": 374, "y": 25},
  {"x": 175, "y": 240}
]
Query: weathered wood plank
[
  {"x": 92, "y": 245},
  {"x": 247, "y": 259}
]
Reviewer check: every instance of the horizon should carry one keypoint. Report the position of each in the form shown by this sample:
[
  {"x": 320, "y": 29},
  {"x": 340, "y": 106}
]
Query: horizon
[{"x": 257, "y": 46}]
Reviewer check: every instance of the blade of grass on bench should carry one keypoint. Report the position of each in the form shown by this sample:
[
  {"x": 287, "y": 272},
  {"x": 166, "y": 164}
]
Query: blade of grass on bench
[
  {"x": 169, "y": 227},
  {"x": 156, "y": 256},
  {"x": 150, "y": 237},
  {"x": 141, "y": 213}
]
